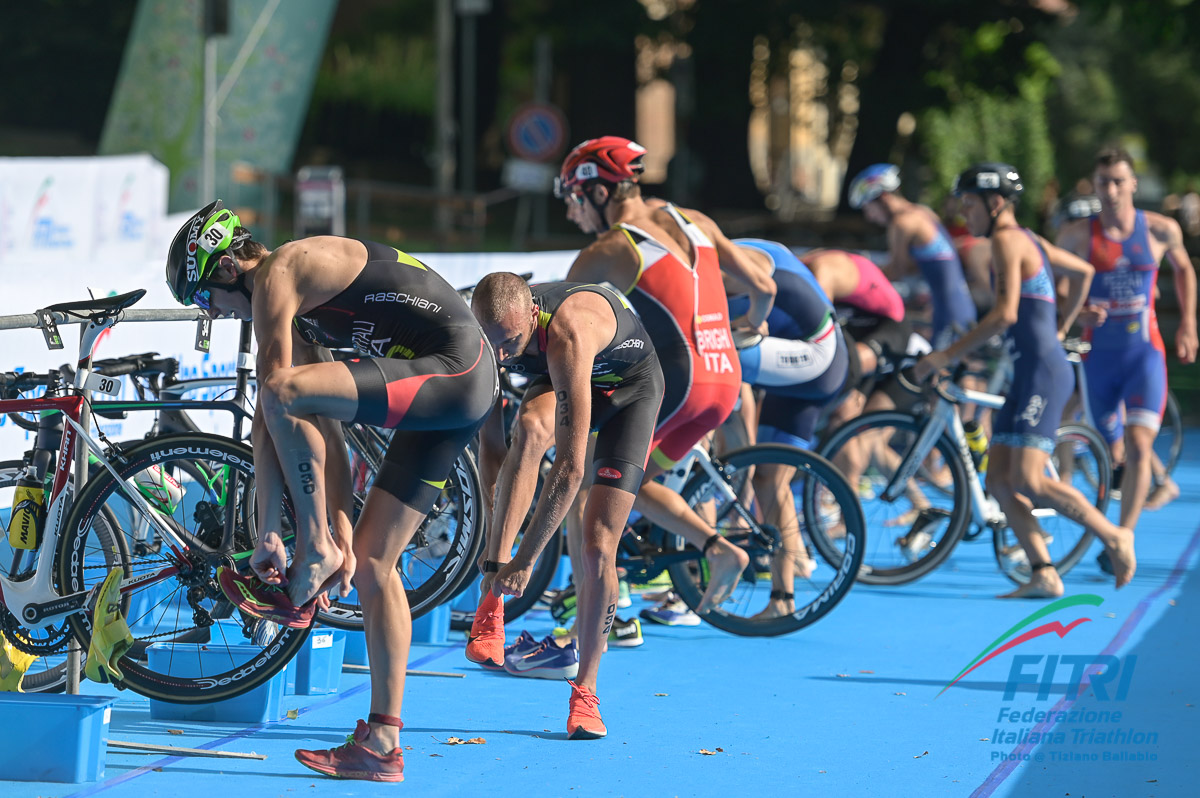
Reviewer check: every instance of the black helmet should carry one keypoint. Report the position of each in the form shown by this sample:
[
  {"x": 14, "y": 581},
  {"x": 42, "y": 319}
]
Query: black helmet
[
  {"x": 982, "y": 178},
  {"x": 212, "y": 230}
]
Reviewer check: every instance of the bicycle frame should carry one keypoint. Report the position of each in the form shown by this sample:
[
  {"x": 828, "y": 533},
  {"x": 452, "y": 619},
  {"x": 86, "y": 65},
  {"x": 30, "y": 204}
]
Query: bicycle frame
[{"x": 34, "y": 601}]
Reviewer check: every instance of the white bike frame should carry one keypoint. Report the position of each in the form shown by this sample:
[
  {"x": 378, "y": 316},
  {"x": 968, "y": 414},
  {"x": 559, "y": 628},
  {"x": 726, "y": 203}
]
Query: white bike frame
[{"x": 34, "y": 601}]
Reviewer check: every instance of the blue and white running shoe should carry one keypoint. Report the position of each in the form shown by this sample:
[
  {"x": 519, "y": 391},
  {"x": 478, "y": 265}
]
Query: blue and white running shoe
[
  {"x": 673, "y": 613},
  {"x": 547, "y": 661},
  {"x": 525, "y": 644}
]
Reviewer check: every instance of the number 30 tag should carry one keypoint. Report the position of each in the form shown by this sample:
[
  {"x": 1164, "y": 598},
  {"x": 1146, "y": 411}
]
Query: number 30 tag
[{"x": 102, "y": 383}]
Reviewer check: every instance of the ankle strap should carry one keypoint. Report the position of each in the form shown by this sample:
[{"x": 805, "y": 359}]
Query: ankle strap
[
  {"x": 385, "y": 720},
  {"x": 708, "y": 544},
  {"x": 1041, "y": 566},
  {"x": 782, "y": 595}
]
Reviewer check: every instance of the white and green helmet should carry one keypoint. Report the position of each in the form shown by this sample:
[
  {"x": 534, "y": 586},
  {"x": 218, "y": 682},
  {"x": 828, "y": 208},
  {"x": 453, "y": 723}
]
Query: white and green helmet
[{"x": 209, "y": 232}]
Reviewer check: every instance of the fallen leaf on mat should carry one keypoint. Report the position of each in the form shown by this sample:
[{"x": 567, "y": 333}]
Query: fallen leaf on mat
[
  {"x": 408, "y": 748},
  {"x": 661, "y": 695},
  {"x": 435, "y": 754},
  {"x": 820, "y": 771},
  {"x": 292, "y": 714},
  {"x": 157, "y": 770},
  {"x": 1110, "y": 615},
  {"x": 461, "y": 741},
  {"x": 866, "y": 671},
  {"x": 1151, "y": 781},
  {"x": 706, "y": 752},
  {"x": 843, "y": 676},
  {"x": 983, "y": 740},
  {"x": 918, "y": 756},
  {"x": 174, "y": 731},
  {"x": 720, "y": 750},
  {"x": 1171, "y": 602},
  {"x": 899, "y": 693}
]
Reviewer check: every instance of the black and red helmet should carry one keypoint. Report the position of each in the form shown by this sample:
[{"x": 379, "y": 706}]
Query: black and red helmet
[{"x": 609, "y": 158}]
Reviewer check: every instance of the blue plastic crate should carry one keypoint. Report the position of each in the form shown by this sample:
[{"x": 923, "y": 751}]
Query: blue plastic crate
[
  {"x": 356, "y": 649},
  {"x": 262, "y": 704},
  {"x": 317, "y": 667},
  {"x": 59, "y": 738}
]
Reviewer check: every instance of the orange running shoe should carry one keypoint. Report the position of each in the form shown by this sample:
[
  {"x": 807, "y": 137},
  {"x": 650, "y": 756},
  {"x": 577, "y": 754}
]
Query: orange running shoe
[
  {"x": 485, "y": 646},
  {"x": 583, "y": 721}
]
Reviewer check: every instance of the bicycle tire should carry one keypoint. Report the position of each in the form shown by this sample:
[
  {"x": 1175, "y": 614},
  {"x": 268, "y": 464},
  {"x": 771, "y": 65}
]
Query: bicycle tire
[
  {"x": 516, "y": 606},
  {"x": 1169, "y": 448},
  {"x": 822, "y": 598},
  {"x": 1065, "y": 551},
  {"x": 877, "y": 566},
  {"x": 454, "y": 569},
  {"x": 76, "y": 556}
]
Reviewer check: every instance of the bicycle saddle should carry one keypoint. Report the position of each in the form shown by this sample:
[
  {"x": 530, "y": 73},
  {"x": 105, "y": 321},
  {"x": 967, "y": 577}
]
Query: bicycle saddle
[{"x": 103, "y": 306}]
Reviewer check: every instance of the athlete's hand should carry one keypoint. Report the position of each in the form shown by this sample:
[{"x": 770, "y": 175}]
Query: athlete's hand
[
  {"x": 1092, "y": 315},
  {"x": 1185, "y": 344},
  {"x": 269, "y": 560},
  {"x": 742, "y": 322},
  {"x": 512, "y": 579},
  {"x": 929, "y": 365}
]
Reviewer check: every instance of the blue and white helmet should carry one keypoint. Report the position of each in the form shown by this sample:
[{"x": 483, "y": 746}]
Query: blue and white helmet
[{"x": 876, "y": 179}]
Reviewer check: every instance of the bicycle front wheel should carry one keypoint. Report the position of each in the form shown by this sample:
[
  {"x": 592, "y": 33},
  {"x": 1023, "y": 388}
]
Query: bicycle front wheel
[
  {"x": 914, "y": 533},
  {"x": 1080, "y": 459},
  {"x": 791, "y": 494},
  {"x": 190, "y": 644}
]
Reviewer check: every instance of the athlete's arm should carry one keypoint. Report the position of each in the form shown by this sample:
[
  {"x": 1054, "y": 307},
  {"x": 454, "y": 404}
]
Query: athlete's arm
[
  {"x": 1167, "y": 231},
  {"x": 756, "y": 282},
  {"x": 275, "y": 301},
  {"x": 574, "y": 340},
  {"x": 1007, "y": 253},
  {"x": 900, "y": 261},
  {"x": 1078, "y": 273},
  {"x": 1074, "y": 237},
  {"x": 609, "y": 259}
]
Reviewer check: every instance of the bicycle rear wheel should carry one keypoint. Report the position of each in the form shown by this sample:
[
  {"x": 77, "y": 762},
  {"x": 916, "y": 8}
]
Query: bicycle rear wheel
[
  {"x": 811, "y": 495},
  {"x": 191, "y": 644},
  {"x": 913, "y": 534},
  {"x": 1080, "y": 459}
]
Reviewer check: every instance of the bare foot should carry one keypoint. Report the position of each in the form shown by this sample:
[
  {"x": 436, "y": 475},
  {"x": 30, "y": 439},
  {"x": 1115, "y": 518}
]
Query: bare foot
[
  {"x": 1162, "y": 495},
  {"x": 803, "y": 564},
  {"x": 725, "y": 565},
  {"x": 1046, "y": 583},
  {"x": 776, "y": 608},
  {"x": 307, "y": 577},
  {"x": 1120, "y": 553},
  {"x": 904, "y": 519}
]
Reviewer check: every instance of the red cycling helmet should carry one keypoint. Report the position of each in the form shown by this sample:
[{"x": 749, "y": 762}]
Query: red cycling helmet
[{"x": 608, "y": 158}]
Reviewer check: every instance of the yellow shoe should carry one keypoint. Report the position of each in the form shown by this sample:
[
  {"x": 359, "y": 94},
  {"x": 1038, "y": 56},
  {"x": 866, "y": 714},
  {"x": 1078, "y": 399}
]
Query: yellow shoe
[
  {"x": 13, "y": 665},
  {"x": 110, "y": 634}
]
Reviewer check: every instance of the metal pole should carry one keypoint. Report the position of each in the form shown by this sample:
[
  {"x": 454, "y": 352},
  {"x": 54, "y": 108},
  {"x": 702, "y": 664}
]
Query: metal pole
[
  {"x": 467, "y": 105},
  {"x": 208, "y": 168},
  {"x": 74, "y": 653},
  {"x": 445, "y": 166}
]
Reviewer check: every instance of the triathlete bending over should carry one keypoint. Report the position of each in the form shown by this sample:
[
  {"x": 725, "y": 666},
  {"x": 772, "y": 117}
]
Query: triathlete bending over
[
  {"x": 668, "y": 261},
  {"x": 598, "y": 371},
  {"x": 426, "y": 371},
  {"x": 1024, "y": 428}
]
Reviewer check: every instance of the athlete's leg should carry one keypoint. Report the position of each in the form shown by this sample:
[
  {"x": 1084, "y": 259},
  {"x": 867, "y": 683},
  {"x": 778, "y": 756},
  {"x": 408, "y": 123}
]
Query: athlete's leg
[
  {"x": 1135, "y": 484},
  {"x": 1004, "y": 464},
  {"x": 290, "y": 399},
  {"x": 1029, "y": 477},
  {"x": 596, "y": 583},
  {"x": 383, "y": 531}
]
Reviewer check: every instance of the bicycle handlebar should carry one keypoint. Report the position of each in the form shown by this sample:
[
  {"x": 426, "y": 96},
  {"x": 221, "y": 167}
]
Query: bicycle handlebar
[{"x": 147, "y": 364}]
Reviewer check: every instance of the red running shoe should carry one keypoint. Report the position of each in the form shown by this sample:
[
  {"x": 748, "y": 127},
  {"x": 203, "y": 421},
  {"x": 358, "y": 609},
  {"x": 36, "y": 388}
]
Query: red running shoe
[
  {"x": 255, "y": 597},
  {"x": 353, "y": 760},
  {"x": 485, "y": 646},
  {"x": 583, "y": 720}
]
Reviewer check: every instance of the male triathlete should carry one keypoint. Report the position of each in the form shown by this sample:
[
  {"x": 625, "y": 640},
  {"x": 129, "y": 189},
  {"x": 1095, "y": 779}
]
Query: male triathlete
[
  {"x": 1024, "y": 428},
  {"x": 598, "y": 370},
  {"x": 668, "y": 261},
  {"x": 1128, "y": 361},
  {"x": 917, "y": 242},
  {"x": 425, "y": 370}
]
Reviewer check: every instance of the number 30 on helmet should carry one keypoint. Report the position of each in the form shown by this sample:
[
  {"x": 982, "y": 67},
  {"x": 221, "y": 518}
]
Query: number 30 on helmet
[{"x": 212, "y": 230}]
